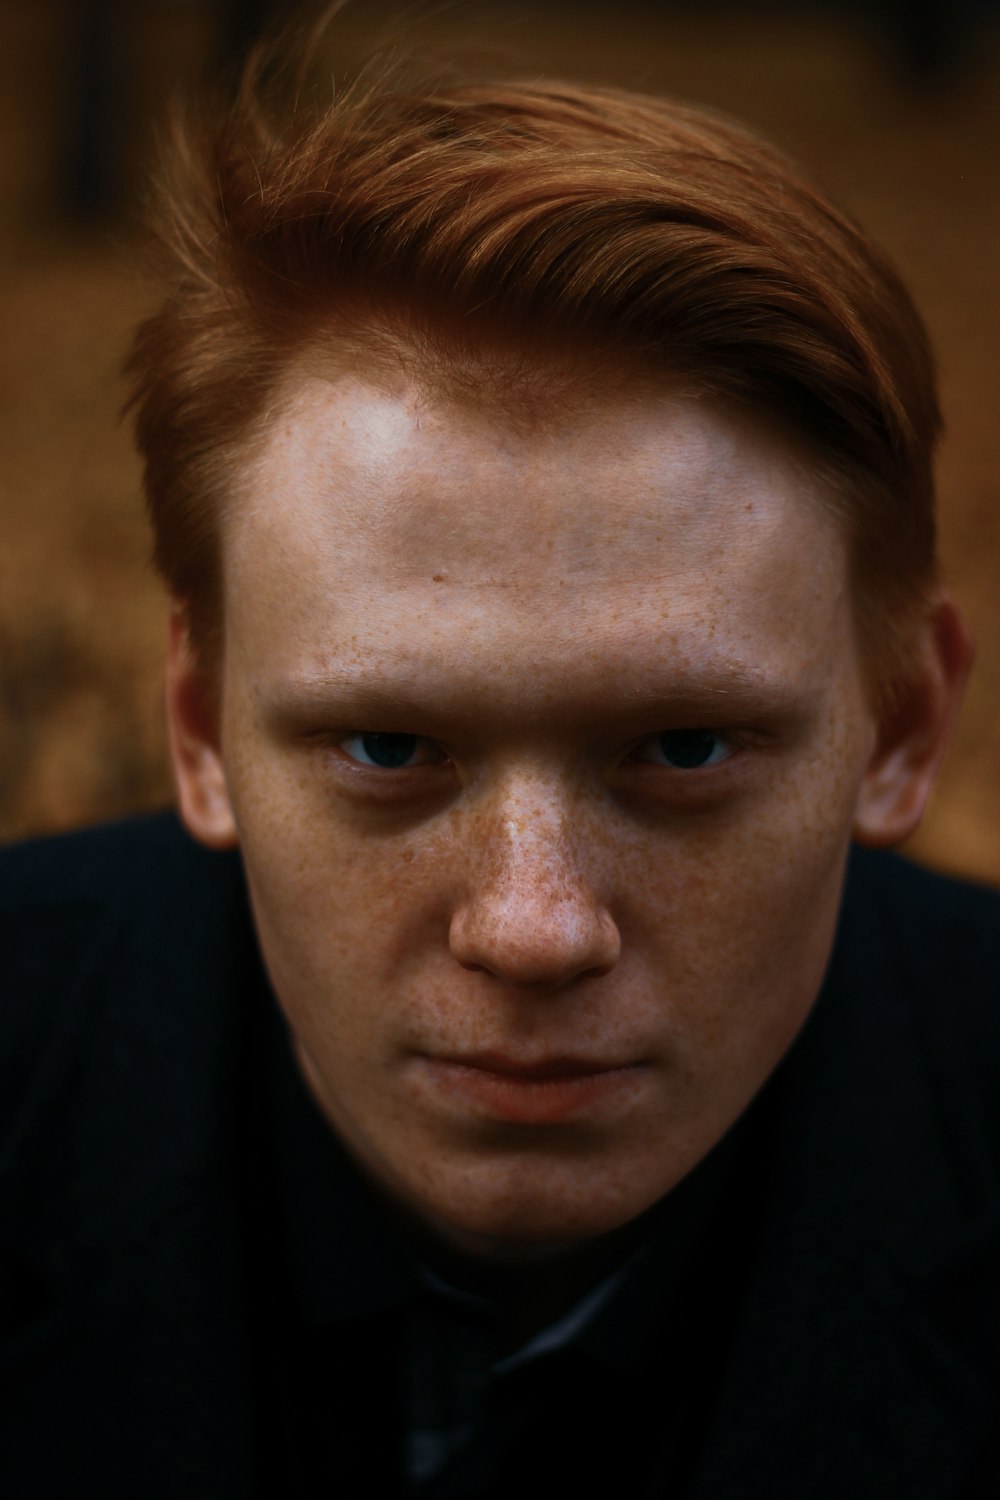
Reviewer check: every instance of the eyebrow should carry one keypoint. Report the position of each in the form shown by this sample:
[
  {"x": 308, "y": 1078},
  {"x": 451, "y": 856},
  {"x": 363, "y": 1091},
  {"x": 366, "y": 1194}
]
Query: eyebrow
[{"x": 428, "y": 698}]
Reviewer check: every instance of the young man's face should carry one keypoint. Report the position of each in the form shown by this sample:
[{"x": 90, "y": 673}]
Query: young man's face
[{"x": 543, "y": 744}]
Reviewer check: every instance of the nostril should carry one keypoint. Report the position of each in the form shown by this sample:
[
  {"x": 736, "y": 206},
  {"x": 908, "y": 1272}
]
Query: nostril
[{"x": 472, "y": 967}]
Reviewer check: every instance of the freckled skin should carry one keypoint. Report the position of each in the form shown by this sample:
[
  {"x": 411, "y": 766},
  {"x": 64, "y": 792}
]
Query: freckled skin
[{"x": 538, "y": 604}]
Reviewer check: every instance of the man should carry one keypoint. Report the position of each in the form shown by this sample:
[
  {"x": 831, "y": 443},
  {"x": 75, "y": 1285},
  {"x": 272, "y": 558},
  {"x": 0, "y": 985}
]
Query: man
[{"x": 542, "y": 479}]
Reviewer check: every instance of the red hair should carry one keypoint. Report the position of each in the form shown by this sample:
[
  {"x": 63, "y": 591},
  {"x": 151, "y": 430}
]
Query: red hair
[{"x": 545, "y": 217}]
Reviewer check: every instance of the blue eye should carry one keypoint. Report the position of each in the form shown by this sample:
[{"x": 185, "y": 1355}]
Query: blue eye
[
  {"x": 390, "y": 752},
  {"x": 685, "y": 749}
]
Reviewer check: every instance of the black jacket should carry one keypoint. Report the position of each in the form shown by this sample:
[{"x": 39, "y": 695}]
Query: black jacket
[{"x": 139, "y": 1311}]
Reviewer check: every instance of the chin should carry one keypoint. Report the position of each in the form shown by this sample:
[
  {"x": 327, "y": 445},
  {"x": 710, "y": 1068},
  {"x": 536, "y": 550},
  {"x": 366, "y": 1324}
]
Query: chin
[{"x": 517, "y": 1216}]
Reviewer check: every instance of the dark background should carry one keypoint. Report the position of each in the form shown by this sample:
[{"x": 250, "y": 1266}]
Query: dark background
[{"x": 895, "y": 106}]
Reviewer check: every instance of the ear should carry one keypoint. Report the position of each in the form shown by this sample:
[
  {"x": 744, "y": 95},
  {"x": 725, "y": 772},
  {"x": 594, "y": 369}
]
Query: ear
[
  {"x": 193, "y": 730},
  {"x": 914, "y": 730}
]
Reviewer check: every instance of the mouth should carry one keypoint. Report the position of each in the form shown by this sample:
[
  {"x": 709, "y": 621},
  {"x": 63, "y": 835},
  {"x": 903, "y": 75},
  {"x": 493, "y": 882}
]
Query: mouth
[
  {"x": 545, "y": 1070},
  {"x": 548, "y": 1091}
]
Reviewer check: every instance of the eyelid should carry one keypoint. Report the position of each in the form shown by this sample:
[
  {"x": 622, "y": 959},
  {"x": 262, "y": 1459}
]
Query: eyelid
[
  {"x": 422, "y": 744},
  {"x": 726, "y": 741},
  {"x": 432, "y": 753}
]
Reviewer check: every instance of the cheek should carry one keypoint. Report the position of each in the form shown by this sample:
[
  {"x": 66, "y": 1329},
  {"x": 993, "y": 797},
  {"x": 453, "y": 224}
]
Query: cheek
[
  {"x": 744, "y": 909},
  {"x": 744, "y": 934},
  {"x": 338, "y": 907},
  {"x": 337, "y": 912}
]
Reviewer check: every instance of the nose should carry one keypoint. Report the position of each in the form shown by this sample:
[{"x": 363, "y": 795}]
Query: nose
[{"x": 530, "y": 915}]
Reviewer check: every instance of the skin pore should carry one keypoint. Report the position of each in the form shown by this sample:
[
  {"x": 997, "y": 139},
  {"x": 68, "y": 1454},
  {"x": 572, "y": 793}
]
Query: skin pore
[{"x": 543, "y": 743}]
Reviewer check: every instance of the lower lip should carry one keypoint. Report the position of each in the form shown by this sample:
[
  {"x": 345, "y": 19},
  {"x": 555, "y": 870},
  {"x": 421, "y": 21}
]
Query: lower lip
[{"x": 524, "y": 1100}]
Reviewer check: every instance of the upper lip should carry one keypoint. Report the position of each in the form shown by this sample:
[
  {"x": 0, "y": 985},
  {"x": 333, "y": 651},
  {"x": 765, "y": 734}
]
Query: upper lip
[{"x": 546, "y": 1068}]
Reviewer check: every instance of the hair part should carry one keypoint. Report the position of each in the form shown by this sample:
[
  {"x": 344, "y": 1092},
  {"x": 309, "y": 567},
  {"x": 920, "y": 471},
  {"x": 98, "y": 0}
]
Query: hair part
[{"x": 528, "y": 227}]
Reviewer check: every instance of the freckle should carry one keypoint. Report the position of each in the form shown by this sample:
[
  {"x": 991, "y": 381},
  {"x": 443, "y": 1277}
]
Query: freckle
[{"x": 437, "y": 578}]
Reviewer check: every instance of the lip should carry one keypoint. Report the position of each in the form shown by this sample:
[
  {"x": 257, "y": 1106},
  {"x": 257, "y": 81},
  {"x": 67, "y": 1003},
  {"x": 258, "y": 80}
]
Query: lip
[
  {"x": 541, "y": 1071},
  {"x": 547, "y": 1091}
]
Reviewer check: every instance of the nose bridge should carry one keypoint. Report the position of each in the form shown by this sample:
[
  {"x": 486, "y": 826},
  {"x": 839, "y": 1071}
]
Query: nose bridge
[
  {"x": 533, "y": 836},
  {"x": 533, "y": 912}
]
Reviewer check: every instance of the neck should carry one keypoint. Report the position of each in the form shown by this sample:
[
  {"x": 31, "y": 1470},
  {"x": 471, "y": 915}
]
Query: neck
[{"x": 530, "y": 1291}]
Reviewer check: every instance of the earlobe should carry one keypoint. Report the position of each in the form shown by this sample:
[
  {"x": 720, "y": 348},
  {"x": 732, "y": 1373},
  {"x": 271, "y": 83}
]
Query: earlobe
[
  {"x": 914, "y": 731},
  {"x": 192, "y": 726}
]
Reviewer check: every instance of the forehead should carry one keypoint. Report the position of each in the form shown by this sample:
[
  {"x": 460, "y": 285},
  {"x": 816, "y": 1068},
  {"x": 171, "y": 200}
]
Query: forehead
[{"x": 385, "y": 520}]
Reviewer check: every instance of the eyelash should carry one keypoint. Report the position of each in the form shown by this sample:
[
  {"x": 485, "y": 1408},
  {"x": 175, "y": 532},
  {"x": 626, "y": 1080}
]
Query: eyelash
[
  {"x": 373, "y": 734},
  {"x": 686, "y": 747}
]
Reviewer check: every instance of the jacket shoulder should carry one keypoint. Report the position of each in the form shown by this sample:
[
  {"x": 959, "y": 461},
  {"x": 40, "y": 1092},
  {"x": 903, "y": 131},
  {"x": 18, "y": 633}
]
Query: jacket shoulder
[
  {"x": 124, "y": 951},
  {"x": 918, "y": 957},
  {"x": 98, "y": 866},
  {"x": 122, "y": 1313},
  {"x": 943, "y": 934},
  {"x": 98, "y": 921}
]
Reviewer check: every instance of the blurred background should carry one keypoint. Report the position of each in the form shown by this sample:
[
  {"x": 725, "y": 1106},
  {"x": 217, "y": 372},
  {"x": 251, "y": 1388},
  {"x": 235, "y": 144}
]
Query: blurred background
[{"x": 894, "y": 104}]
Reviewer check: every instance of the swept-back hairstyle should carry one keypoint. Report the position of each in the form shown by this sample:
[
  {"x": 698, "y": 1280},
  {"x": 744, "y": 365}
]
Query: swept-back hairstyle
[{"x": 543, "y": 216}]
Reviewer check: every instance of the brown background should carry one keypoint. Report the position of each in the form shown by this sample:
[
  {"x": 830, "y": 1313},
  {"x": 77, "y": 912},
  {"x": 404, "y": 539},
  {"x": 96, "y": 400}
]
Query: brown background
[{"x": 901, "y": 126}]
